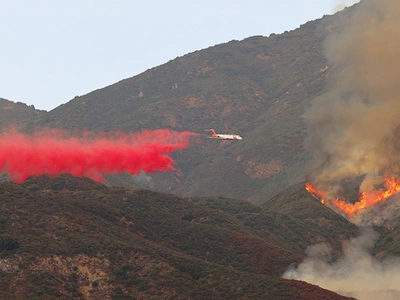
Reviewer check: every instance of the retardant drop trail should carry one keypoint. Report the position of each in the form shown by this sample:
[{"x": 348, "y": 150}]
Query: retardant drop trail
[{"x": 91, "y": 155}]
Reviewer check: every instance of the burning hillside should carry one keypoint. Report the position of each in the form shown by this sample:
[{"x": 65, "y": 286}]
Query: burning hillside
[
  {"x": 365, "y": 199},
  {"x": 354, "y": 128}
]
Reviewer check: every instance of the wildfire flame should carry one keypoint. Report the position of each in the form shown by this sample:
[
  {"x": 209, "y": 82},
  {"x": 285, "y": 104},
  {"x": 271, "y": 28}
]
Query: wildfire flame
[
  {"x": 314, "y": 192},
  {"x": 365, "y": 199}
]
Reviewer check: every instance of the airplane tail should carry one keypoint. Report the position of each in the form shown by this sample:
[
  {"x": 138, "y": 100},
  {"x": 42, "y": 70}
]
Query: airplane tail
[{"x": 213, "y": 134}]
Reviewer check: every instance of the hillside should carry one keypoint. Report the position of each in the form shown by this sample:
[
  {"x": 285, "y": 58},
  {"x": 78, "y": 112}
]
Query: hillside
[
  {"x": 66, "y": 238},
  {"x": 14, "y": 115},
  {"x": 322, "y": 224},
  {"x": 257, "y": 87}
]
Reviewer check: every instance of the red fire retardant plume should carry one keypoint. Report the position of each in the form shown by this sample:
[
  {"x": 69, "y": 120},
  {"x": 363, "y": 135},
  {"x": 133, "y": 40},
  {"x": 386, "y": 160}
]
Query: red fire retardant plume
[{"x": 53, "y": 153}]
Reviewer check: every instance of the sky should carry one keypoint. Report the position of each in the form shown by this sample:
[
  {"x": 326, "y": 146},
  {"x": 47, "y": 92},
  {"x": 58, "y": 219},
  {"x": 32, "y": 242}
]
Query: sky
[{"x": 52, "y": 51}]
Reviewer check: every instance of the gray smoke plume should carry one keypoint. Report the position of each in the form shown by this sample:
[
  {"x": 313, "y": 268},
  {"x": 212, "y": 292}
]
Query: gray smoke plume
[
  {"x": 341, "y": 4},
  {"x": 354, "y": 128},
  {"x": 357, "y": 274},
  {"x": 384, "y": 214}
]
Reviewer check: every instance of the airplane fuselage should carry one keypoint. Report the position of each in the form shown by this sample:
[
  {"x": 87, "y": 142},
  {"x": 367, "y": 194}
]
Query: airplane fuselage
[{"x": 227, "y": 137}]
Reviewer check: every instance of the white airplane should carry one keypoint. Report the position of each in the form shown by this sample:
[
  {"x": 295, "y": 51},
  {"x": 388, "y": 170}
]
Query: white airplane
[{"x": 219, "y": 136}]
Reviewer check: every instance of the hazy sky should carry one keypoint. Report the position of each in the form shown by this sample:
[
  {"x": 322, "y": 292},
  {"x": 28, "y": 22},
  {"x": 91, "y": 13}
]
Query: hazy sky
[{"x": 52, "y": 51}]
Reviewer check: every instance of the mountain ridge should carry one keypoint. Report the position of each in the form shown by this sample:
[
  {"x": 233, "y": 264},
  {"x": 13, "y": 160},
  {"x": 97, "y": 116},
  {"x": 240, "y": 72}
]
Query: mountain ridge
[
  {"x": 258, "y": 87},
  {"x": 220, "y": 87}
]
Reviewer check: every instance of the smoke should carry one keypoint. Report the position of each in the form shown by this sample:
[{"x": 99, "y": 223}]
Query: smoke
[
  {"x": 342, "y": 4},
  {"x": 91, "y": 155},
  {"x": 383, "y": 214},
  {"x": 354, "y": 128},
  {"x": 356, "y": 274}
]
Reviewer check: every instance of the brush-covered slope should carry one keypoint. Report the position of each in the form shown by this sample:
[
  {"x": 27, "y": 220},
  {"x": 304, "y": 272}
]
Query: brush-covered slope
[
  {"x": 317, "y": 221},
  {"x": 257, "y": 87},
  {"x": 69, "y": 238},
  {"x": 14, "y": 115},
  {"x": 313, "y": 223}
]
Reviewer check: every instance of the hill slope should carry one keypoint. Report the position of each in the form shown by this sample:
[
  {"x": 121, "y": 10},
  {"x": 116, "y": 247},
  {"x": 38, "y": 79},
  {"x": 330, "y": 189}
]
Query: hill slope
[
  {"x": 16, "y": 114},
  {"x": 71, "y": 238},
  {"x": 257, "y": 87}
]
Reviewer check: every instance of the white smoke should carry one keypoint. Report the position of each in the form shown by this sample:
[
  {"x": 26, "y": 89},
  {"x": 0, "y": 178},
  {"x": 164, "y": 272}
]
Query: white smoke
[
  {"x": 342, "y": 4},
  {"x": 384, "y": 214},
  {"x": 356, "y": 274}
]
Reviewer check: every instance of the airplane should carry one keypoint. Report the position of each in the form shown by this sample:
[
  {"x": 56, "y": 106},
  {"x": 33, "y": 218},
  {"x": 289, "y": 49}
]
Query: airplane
[{"x": 219, "y": 136}]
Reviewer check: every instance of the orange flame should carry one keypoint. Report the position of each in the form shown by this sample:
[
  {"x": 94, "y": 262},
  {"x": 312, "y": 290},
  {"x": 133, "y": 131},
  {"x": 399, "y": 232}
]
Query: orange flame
[
  {"x": 314, "y": 192},
  {"x": 365, "y": 200}
]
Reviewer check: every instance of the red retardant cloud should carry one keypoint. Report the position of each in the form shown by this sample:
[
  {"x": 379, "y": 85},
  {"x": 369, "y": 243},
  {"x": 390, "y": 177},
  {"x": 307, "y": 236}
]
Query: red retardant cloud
[{"x": 53, "y": 152}]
